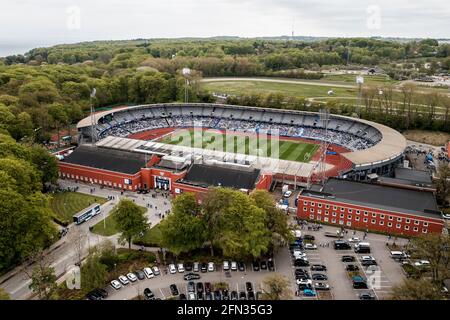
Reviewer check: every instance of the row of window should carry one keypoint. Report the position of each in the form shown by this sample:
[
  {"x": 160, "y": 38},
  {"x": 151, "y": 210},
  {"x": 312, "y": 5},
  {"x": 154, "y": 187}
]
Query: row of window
[
  {"x": 374, "y": 215},
  {"x": 349, "y": 223},
  {"x": 106, "y": 183}
]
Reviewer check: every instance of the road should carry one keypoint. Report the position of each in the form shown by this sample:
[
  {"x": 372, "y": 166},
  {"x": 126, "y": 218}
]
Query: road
[
  {"x": 63, "y": 253},
  {"x": 277, "y": 80}
]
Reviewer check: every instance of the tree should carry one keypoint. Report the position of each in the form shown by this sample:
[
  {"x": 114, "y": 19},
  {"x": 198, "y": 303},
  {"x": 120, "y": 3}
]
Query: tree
[
  {"x": 130, "y": 220},
  {"x": 184, "y": 229},
  {"x": 4, "y": 295},
  {"x": 94, "y": 274},
  {"x": 59, "y": 115},
  {"x": 43, "y": 281},
  {"x": 436, "y": 249},
  {"x": 276, "y": 287},
  {"x": 416, "y": 289},
  {"x": 443, "y": 183},
  {"x": 47, "y": 164}
]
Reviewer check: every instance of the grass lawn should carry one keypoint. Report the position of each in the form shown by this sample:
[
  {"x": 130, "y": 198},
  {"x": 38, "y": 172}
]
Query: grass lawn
[
  {"x": 435, "y": 138},
  {"x": 66, "y": 204},
  {"x": 110, "y": 229},
  {"x": 243, "y": 144},
  {"x": 152, "y": 238},
  {"x": 351, "y": 79},
  {"x": 288, "y": 89}
]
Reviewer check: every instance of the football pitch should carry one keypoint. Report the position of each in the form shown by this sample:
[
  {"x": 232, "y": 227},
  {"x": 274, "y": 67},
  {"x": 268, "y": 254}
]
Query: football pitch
[{"x": 242, "y": 143}]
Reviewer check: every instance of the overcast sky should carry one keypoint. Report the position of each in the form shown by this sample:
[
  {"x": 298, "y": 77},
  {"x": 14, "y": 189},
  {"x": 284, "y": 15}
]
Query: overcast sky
[{"x": 46, "y": 22}]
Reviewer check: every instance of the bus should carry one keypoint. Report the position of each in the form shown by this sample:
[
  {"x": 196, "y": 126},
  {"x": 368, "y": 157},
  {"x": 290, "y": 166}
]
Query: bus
[{"x": 87, "y": 214}]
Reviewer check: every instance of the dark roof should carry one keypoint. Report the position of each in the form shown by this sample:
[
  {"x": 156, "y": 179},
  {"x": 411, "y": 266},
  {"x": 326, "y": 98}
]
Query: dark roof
[
  {"x": 421, "y": 203},
  {"x": 172, "y": 165},
  {"x": 415, "y": 176},
  {"x": 210, "y": 175},
  {"x": 107, "y": 159}
]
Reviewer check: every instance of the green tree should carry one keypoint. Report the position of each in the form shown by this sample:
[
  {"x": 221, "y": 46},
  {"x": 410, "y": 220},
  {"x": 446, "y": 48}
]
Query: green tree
[
  {"x": 276, "y": 287},
  {"x": 60, "y": 118},
  {"x": 130, "y": 220},
  {"x": 94, "y": 273},
  {"x": 184, "y": 229},
  {"x": 416, "y": 289},
  {"x": 443, "y": 183},
  {"x": 43, "y": 282},
  {"x": 4, "y": 295},
  {"x": 47, "y": 164}
]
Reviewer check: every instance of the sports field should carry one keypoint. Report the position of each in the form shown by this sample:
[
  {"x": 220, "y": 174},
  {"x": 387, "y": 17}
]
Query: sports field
[{"x": 241, "y": 143}]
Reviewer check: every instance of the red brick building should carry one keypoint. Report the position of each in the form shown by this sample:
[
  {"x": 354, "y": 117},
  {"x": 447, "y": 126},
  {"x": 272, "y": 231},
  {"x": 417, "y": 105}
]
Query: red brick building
[
  {"x": 132, "y": 171},
  {"x": 372, "y": 207}
]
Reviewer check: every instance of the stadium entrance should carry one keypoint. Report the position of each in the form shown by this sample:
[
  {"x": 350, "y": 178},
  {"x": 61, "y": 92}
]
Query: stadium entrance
[{"x": 162, "y": 183}]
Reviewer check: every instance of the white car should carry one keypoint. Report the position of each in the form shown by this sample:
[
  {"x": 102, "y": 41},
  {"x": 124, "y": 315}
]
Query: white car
[
  {"x": 149, "y": 273},
  {"x": 422, "y": 263},
  {"x": 298, "y": 254},
  {"x": 367, "y": 258},
  {"x": 310, "y": 246},
  {"x": 116, "y": 284},
  {"x": 226, "y": 266},
  {"x": 172, "y": 268},
  {"x": 211, "y": 267},
  {"x": 446, "y": 216},
  {"x": 233, "y": 266},
  {"x": 156, "y": 271},
  {"x": 180, "y": 268},
  {"x": 353, "y": 239},
  {"x": 124, "y": 280},
  {"x": 191, "y": 296},
  {"x": 304, "y": 281},
  {"x": 196, "y": 267},
  {"x": 132, "y": 277},
  {"x": 287, "y": 194}
]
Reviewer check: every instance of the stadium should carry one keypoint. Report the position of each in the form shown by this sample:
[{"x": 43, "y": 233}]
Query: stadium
[{"x": 274, "y": 145}]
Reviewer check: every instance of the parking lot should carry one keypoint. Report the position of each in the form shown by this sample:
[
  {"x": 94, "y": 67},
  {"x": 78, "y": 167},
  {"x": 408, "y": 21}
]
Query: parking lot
[{"x": 380, "y": 278}]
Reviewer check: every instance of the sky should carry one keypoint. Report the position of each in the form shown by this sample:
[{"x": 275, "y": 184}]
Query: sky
[{"x": 25, "y": 24}]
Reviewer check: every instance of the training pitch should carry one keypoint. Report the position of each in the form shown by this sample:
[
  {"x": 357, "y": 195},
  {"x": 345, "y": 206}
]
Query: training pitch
[{"x": 243, "y": 143}]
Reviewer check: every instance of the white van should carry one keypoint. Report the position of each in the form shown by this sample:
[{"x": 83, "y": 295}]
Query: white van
[
  {"x": 397, "y": 255},
  {"x": 362, "y": 247}
]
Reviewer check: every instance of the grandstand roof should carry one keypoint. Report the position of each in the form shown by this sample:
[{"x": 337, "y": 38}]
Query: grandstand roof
[{"x": 106, "y": 159}]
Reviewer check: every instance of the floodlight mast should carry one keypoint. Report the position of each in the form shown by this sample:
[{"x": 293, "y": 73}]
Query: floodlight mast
[{"x": 186, "y": 73}]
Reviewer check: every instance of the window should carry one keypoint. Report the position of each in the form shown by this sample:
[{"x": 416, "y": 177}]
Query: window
[
  {"x": 374, "y": 221},
  {"x": 342, "y": 209},
  {"x": 374, "y": 215},
  {"x": 325, "y": 219},
  {"x": 326, "y": 213},
  {"x": 365, "y": 220},
  {"x": 358, "y": 212},
  {"x": 334, "y": 208},
  {"x": 408, "y": 220},
  {"x": 327, "y": 206},
  {"x": 389, "y": 224},
  {"x": 425, "y": 224},
  {"x": 305, "y": 203},
  {"x": 357, "y": 218},
  {"x": 341, "y": 222},
  {"x": 311, "y": 210},
  {"x": 391, "y": 218},
  {"x": 349, "y": 223},
  {"x": 350, "y": 210},
  {"x": 398, "y": 225},
  {"x": 399, "y": 219},
  {"x": 305, "y": 209},
  {"x": 319, "y": 205},
  {"x": 333, "y": 220},
  {"x": 319, "y": 211},
  {"x": 416, "y": 222},
  {"x": 334, "y": 214},
  {"x": 381, "y": 216},
  {"x": 424, "y": 230},
  {"x": 381, "y": 223},
  {"x": 341, "y": 215},
  {"x": 366, "y": 213},
  {"x": 311, "y": 216},
  {"x": 312, "y": 204},
  {"x": 349, "y": 217},
  {"x": 406, "y": 227},
  {"x": 416, "y": 229}
]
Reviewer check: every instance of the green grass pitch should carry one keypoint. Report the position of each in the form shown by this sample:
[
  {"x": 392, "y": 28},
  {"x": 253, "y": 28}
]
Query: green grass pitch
[{"x": 248, "y": 144}]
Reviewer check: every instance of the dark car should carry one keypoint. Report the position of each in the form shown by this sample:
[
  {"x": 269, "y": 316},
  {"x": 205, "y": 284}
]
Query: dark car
[
  {"x": 200, "y": 296},
  {"x": 318, "y": 267},
  {"x": 255, "y": 265},
  {"x": 140, "y": 275},
  {"x": 301, "y": 263},
  {"x": 225, "y": 295},
  {"x": 251, "y": 295},
  {"x": 367, "y": 296},
  {"x": 321, "y": 286},
  {"x": 367, "y": 263},
  {"x": 348, "y": 258},
  {"x": 208, "y": 287},
  {"x": 248, "y": 286},
  {"x": 208, "y": 296},
  {"x": 359, "y": 282},
  {"x": 191, "y": 276},
  {"x": 148, "y": 294},
  {"x": 191, "y": 286},
  {"x": 303, "y": 286},
  {"x": 263, "y": 265},
  {"x": 241, "y": 266},
  {"x": 242, "y": 295},
  {"x": 319, "y": 276},
  {"x": 309, "y": 237},
  {"x": 199, "y": 287},
  {"x": 182, "y": 296},
  {"x": 234, "y": 295},
  {"x": 101, "y": 292},
  {"x": 259, "y": 295},
  {"x": 188, "y": 266},
  {"x": 204, "y": 267},
  {"x": 217, "y": 295},
  {"x": 271, "y": 265},
  {"x": 351, "y": 267},
  {"x": 93, "y": 296},
  {"x": 174, "y": 289}
]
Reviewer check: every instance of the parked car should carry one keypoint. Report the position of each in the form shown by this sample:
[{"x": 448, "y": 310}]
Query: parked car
[
  {"x": 124, "y": 280},
  {"x": 263, "y": 265},
  {"x": 191, "y": 276},
  {"x": 287, "y": 194},
  {"x": 199, "y": 287},
  {"x": 180, "y": 268},
  {"x": 354, "y": 239},
  {"x": 366, "y": 263},
  {"x": 248, "y": 286},
  {"x": 204, "y": 267},
  {"x": 255, "y": 265},
  {"x": 304, "y": 282},
  {"x": 132, "y": 277},
  {"x": 148, "y": 294},
  {"x": 251, "y": 295},
  {"x": 318, "y": 267},
  {"x": 242, "y": 295},
  {"x": 217, "y": 295},
  {"x": 191, "y": 286},
  {"x": 140, "y": 274},
  {"x": 301, "y": 263},
  {"x": 191, "y": 296},
  {"x": 225, "y": 295},
  {"x": 211, "y": 267},
  {"x": 208, "y": 296},
  {"x": 149, "y": 273},
  {"x": 156, "y": 271},
  {"x": 309, "y": 293},
  {"x": 226, "y": 266},
  {"x": 241, "y": 266},
  {"x": 200, "y": 296},
  {"x": 188, "y": 266},
  {"x": 310, "y": 246},
  {"x": 321, "y": 286},
  {"x": 234, "y": 295},
  {"x": 309, "y": 237},
  {"x": 359, "y": 282},
  {"x": 367, "y": 296},
  {"x": 93, "y": 296},
  {"x": 182, "y": 296},
  {"x": 102, "y": 292},
  {"x": 348, "y": 258},
  {"x": 208, "y": 287},
  {"x": 351, "y": 267},
  {"x": 116, "y": 284},
  {"x": 196, "y": 267},
  {"x": 319, "y": 276},
  {"x": 271, "y": 265},
  {"x": 174, "y": 289},
  {"x": 172, "y": 268},
  {"x": 234, "y": 266}
]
